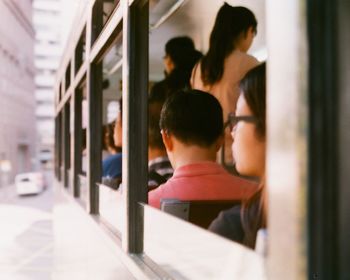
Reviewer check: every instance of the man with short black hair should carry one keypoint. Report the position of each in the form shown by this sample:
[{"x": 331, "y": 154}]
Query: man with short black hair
[{"x": 192, "y": 130}]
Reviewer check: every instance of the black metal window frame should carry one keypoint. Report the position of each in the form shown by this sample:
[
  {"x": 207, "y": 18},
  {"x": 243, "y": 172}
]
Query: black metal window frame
[
  {"x": 127, "y": 18},
  {"x": 328, "y": 209},
  {"x": 131, "y": 19},
  {"x": 326, "y": 206}
]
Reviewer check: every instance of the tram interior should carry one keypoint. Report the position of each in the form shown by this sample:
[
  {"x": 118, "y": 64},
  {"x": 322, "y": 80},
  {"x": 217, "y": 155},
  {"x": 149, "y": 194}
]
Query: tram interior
[
  {"x": 168, "y": 19},
  {"x": 176, "y": 247},
  {"x": 110, "y": 200},
  {"x": 195, "y": 19}
]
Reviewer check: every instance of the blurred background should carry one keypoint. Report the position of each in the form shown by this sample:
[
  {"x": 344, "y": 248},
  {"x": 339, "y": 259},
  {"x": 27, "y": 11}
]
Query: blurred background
[{"x": 33, "y": 34}]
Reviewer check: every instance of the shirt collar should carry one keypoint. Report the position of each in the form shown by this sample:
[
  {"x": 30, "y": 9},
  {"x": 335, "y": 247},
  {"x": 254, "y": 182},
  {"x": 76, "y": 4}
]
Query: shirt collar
[{"x": 199, "y": 168}]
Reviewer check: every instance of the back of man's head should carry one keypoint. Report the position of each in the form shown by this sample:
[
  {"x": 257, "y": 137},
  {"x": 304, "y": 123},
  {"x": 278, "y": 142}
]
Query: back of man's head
[
  {"x": 154, "y": 137},
  {"x": 194, "y": 117}
]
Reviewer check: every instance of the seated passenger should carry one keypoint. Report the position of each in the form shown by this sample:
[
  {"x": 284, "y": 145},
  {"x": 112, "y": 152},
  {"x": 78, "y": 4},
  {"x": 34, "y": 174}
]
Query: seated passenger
[
  {"x": 241, "y": 224},
  {"x": 159, "y": 166},
  {"x": 109, "y": 139},
  {"x": 108, "y": 148},
  {"x": 192, "y": 132},
  {"x": 112, "y": 165}
]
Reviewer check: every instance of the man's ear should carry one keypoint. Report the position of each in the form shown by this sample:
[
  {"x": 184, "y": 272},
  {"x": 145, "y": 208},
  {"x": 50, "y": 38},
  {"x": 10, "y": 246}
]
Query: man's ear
[
  {"x": 219, "y": 142},
  {"x": 168, "y": 141}
]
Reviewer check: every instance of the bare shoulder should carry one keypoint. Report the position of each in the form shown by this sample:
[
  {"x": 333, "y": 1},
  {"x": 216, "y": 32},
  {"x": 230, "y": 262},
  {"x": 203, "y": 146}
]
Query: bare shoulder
[
  {"x": 241, "y": 59},
  {"x": 248, "y": 60}
]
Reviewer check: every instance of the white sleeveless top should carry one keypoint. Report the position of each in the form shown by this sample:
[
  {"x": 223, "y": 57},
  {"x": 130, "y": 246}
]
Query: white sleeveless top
[{"x": 236, "y": 65}]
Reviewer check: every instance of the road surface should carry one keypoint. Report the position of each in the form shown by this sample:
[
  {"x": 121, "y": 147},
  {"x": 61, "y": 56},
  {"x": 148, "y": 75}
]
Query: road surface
[{"x": 26, "y": 239}]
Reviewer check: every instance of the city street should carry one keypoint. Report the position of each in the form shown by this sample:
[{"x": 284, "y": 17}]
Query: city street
[
  {"x": 26, "y": 243},
  {"x": 37, "y": 241}
]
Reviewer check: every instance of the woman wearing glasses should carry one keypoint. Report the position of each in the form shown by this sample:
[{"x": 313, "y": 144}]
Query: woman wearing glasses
[
  {"x": 248, "y": 130},
  {"x": 227, "y": 61}
]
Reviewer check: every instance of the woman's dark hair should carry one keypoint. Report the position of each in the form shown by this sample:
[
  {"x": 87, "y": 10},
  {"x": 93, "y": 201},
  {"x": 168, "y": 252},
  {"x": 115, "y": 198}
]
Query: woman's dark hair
[
  {"x": 179, "y": 50},
  {"x": 253, "y": 211},
  {"x": 229, "y": 25},
  {"x": 183, "y": 54},
  {"x": 118, "y": 149},
  {"x": 154, "y": 135},
  {"x": 181, "y": 75},
  {"x": 108, "y": 141},
  {"x": 194, "y": 117},
  {"x": 253, "y": 87},
  {"x": 104, "y": 137},
  {"x": 254, "y": 216}
]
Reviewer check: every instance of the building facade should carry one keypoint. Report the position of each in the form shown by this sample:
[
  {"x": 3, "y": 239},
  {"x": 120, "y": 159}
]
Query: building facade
[
  {"x": 48, "y": 49},
  {"x": 52, "y": 21},
  {"x": 17, "y": 103}
]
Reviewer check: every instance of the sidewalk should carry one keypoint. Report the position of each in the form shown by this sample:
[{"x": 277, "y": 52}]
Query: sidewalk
[
  {"x": 42, "y": 242},
  {"x": 26, "y": 243},
  {"x": 81, "y": 251}
]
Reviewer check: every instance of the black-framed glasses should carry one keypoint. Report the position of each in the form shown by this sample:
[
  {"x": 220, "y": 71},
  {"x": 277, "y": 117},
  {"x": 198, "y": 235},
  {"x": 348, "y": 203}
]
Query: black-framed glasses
[{"x": 233, "y": 120}]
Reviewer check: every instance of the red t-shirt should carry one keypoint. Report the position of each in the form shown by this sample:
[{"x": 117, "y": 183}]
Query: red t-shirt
[{"x": 202, "y": 181}]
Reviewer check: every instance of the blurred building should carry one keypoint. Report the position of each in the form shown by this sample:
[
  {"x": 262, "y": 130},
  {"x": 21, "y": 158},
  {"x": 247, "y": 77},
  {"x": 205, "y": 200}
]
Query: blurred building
[
  {"x": 52, "y": 21},
  {"x": 17, "y": 103},
  {"x": 46, "y": 20}
]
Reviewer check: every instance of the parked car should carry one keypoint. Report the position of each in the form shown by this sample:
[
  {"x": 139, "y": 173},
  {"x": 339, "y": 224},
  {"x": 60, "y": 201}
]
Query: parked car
[
  {"x": 45, "y": 156},
  {"x": 30, "y": 183}
]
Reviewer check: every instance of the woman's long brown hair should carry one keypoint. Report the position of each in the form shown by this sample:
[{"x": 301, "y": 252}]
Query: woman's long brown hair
[
  {"x": 253, "y": 216},
  {"x": 230, "y": 24},
  {"x": 254, "y": 210}
]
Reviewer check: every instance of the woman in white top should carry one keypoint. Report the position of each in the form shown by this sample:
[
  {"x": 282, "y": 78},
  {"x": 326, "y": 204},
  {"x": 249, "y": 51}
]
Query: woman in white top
[{"x": 227, "y": 61}]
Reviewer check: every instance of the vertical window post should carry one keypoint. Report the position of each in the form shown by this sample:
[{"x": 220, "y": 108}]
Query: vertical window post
[
  {"x": 66, "y": 144},
  {"x": 287, "y": 138},
  {"x": 343, "y": 194},
  {"x": 94, "y": 100},
  {"x": 76, "y": 153},
  {"x": 58, "y": 146},
  {"x": 135, "y": 126}
]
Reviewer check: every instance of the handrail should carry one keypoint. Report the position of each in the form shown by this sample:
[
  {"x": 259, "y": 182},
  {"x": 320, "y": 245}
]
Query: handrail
[{"x": 168, "y": 14}]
